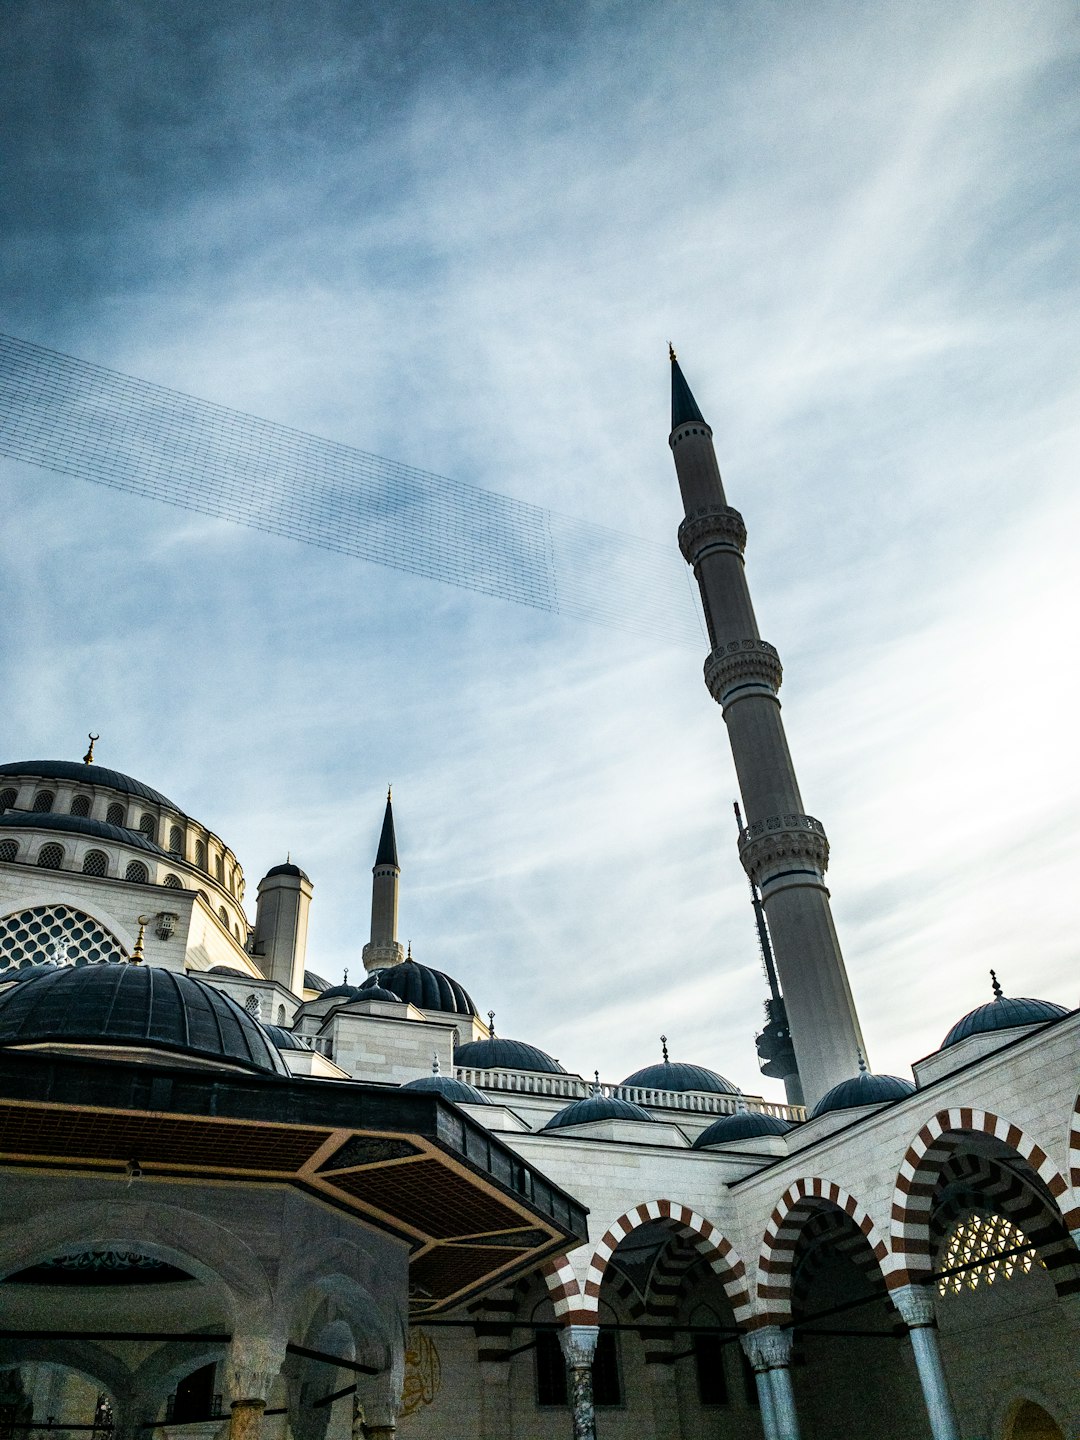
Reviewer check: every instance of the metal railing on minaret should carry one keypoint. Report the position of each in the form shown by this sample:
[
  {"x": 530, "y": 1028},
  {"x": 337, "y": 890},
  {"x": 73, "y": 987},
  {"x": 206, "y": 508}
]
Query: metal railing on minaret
[{"x": 784, "y": 851}]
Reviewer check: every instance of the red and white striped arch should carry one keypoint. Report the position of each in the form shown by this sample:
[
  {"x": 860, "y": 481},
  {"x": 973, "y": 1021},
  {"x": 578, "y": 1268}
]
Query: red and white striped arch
[
  {"x": 776, "y": 1263},
  {"x": 928, "y": 1153},
  {"x": 577, "y": 1304}
]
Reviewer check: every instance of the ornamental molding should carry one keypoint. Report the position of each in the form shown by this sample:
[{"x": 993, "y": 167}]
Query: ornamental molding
[
  {"x": 779, "y": 841},
  {"x": 712, "y": 527},
  {"x": 915, "y": 1304},
  {"x": 382, "y": 957},
  {"x": 768, "y": 1348},
  {"x": 252, "y": 1365},
  {"x": 579, "y": 1344},
  {"x": 742, "y": 663}
]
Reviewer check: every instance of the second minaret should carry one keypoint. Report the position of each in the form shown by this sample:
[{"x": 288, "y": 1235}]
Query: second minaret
[{"x": 383, "y": 948}]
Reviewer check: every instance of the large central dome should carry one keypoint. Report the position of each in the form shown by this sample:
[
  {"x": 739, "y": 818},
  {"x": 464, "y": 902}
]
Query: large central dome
[{"x": 134, "y": 1006}]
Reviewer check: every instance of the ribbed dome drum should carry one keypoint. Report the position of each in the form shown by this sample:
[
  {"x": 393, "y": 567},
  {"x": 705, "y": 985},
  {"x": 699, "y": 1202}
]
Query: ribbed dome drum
[{"x": 139, "y": 1006}]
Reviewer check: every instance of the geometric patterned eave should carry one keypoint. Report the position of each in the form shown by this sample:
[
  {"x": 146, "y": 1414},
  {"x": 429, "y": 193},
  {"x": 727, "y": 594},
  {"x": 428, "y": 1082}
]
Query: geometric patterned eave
[{"x": 417, "y": 1175}]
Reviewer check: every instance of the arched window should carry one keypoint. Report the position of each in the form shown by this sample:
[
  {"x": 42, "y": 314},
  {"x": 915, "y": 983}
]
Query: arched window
[
  {"x": 137, "y": 872},
  {"x": 80, "y": 805},
  {"x": 200, "y": 854},
  {"x": 8, "y": 798},
  {"x": 219, "y": 870},
  {"x": 8, "y": 849},
  {"x": 281, "y": 1014},
  {"x": 115, "y": 814},
  {"x": 253, "y": 1006},
  {"x": 26, "y": 935},
  {"x": 95, "y": 862},
  {"x": 43, "y": 802},
  {"x": 176, "y": 840},
  {"x": 1001, "y": 1246},
  {"x": 148, "y": 826},
  {"x": 223, "y": 916},
  {"x": 51, "y": 857},
  {"x": 236, "y": 932},
  {"x": 173, "y": 882}
]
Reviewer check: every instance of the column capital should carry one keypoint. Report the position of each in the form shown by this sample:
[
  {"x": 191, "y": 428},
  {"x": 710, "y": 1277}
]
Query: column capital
[
  {"x": 252, "y": 1364},
  {"x": 768, "y": 1348},
  {"x": 579, "y": 1344},
  {"x": 915, "y": 1304}
]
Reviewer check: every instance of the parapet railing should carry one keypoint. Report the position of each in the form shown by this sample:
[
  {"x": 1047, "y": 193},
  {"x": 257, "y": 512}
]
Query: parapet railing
[{"x": 573, "y": 1087}]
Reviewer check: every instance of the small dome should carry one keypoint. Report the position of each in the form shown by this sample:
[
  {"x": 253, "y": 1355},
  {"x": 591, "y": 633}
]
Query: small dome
[
  {"x": 862, "y": 1089},
  {"x": 315, "y": 982},
  {"x": 230, "y": 970},
  {"x": 378, "y": 992},
  {"x": 423, "y": 987},
  {"x": 747, "y": 1125},
  {"x": 134, "y": 1005},
  {"x": 287, "y": 869},
  {"x": 674, "y": 1075},
  {"x": 500, "y": 1054},
  {"x": 449, "y": 1088},
  {"x": 284, "y": 1039},
  {"x": 339, "y": 992},
  {"x": 597, "y": 1107},
  {"x": 1003, "y": 1013}
]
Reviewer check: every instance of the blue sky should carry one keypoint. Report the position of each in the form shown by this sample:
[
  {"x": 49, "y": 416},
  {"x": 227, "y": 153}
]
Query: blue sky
[{"x": 461, "y": 236}]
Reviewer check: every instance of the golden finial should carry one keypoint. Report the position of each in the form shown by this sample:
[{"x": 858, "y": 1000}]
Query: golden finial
[
  {"x": 671, "y": 352},
  {"x": 88, "y": 758},
  {"x": 136, "y": 956}
]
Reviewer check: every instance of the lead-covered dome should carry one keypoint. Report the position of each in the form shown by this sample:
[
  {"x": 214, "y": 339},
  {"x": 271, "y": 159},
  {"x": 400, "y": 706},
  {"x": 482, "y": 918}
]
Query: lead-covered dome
[
  {"x": 135, "y": 1006},
  {"x": 862, "y": 1089},
  {"x": 1005, "y": 1012},
  {"x": 597, "y": 1107},
  {"x": 500, "y": 1054},
  {"x": 677, "y": 1075},
  {"x": 450, "y": 1088},
  {"x": 86, "y": 775},
  {"x": 423, "y": 987},
  {"x": 747, "y": 1125}
]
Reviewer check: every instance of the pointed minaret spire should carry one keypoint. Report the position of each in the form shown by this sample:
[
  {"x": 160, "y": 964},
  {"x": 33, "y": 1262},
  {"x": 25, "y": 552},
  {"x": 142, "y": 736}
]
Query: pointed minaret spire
[
  {"x": 784, "y": 851},
  {"x": 384, "y": 949}
]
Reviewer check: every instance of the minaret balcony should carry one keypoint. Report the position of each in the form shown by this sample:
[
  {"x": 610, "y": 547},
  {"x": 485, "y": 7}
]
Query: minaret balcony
[
  {"x": 708, "y": 530},
  {"x": 784, "y": 847},
  {"x": 742, "y": 668}
]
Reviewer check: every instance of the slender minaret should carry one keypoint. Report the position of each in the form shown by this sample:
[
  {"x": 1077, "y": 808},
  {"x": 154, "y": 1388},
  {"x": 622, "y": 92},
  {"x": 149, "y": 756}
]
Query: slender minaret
[
  {"x": 383, "y": 949},
  {"x": 783, "y": 850}
]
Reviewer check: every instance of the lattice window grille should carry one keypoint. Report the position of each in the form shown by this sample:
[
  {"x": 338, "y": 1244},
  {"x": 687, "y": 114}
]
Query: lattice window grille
[
  {"x": 984, "y": 1238},
  {"x": 148, "y": 826},
  {"x": 137, "y": 873},
  {"x": 8, "y": 849},
  {"x": 173, "y": 882},
  {"x": 30, "y": 937},
  {"x": 176, "y": 840},
  {"x": 51, "y": 857},
  {"x": 253, "y": 1006},
  {"x": 95, "y": 862},
  {"x": 200, "y": 854},
  {"x": 81, "y": 805},
  {"x": 115, "y": 815},
  {"x": 43, "y": 802},
  {"x": 8, "y": 798}
]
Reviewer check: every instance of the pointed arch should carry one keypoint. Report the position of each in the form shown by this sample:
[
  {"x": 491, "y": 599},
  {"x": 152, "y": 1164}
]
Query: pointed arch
[
  {"x": 927, "y": 1161},
  {"x": 1074, "y": 1154},
  {"x": 580, "y": 1304},
  {"x": 795, "y": 1210},
  {"x": 562, "y": 1285}
]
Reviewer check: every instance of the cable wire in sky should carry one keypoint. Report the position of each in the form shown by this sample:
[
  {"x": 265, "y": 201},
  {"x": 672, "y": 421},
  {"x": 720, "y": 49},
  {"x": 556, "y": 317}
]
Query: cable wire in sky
[{"x": 77, "y": 418}]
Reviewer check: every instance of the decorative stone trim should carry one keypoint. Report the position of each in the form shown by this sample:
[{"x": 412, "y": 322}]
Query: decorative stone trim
[
  {"x": 382, "y": 957},
  {"x": 768, "y": 1348},
  {"x": 776, "y": 1262},
  {"x": 744, "y": 666},
  {"x": 783, "y": 842},
  {"x": 252, "y": 1365},
  {"x": 579, "y": 1344},
  {"x": 714, "y": 527},
  {"x": 915, "y": 1304},
  {"x": 916, "y": 1181}
]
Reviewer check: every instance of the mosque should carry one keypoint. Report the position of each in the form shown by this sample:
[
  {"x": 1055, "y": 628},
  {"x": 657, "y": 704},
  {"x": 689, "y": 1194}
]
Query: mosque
[{"x": 241, "y": 1201}]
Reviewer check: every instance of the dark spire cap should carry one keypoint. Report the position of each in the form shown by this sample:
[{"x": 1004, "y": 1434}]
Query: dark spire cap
[
  {"x": 387, "y": 852},
  {"x": 683, "y": 405}
]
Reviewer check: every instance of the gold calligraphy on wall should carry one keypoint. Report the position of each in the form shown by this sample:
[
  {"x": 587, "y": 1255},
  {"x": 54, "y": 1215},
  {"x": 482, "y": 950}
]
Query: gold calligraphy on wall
[{"x": 423, "y": 1372}]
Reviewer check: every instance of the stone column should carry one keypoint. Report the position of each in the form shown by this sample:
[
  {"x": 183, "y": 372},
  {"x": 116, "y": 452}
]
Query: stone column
[
  {"x": 773, "y": 1347},
  {"x": 916, "y": 1306},
  {"x": 579, "y": 1346},
  {"x": 755, "y": 1354},
  {"x": 252, "y": 1365}
]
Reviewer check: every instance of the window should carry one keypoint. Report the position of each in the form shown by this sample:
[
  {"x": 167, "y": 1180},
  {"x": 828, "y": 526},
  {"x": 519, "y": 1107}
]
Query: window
[
  {"x": 606, "y": 1388},
  {"x": 219, "y": 870},
  {"x": 137, "y": 873},
  {"x": 709, "y": 1365},
  {"x": 550, "y": 1369},
  {"x": 43, "y": 802},
  {"x": 115, "y": 815},
  {"x": 80, "y": 805},
  {"x": 8, "y": 798},
  {"x": 200, "y": 854},
  {"x": 8, "y": 849},
  {"x": 95, "y": 862},
  {"x": 253, "y": 1006},
  {"x": 176, "y": 840},
  {"x": 985, "y": 1239},
  {"x": 173, "y": 882},
  {"x": 194, "y": 1398},
  {"x": 148, "y": 826},
  {"x": 51, "y": 857},
  {"x": 750, "y": 1390},
  {"x": 281, "y": 1014},
  {"x": 26, "y": 935},
  {"x": 223, "y": 916}
]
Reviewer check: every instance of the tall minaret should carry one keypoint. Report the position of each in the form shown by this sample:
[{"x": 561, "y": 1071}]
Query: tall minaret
[
  {"x": 783, "y": 851},
  {"x": 383, "y": 948}
]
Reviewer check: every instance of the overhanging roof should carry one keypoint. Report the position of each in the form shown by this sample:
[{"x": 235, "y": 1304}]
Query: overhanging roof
[{"x": 470, "y": 1209}]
